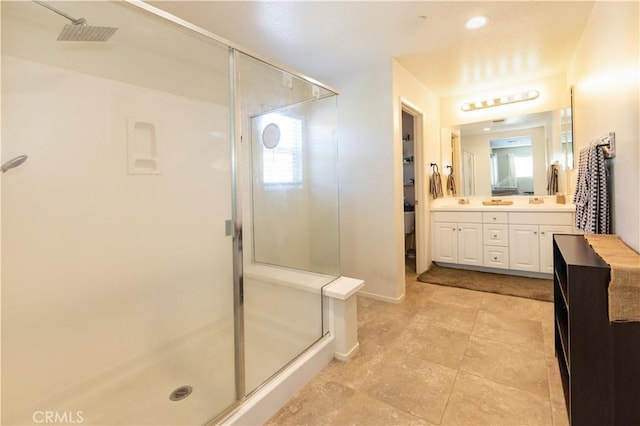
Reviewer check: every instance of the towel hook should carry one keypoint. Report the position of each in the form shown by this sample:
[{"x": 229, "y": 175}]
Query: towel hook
[{"x": 434, "y": 166}]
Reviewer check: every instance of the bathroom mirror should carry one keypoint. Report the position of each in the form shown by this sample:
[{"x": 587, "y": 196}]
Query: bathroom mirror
[{"x": 512, "y": 156}]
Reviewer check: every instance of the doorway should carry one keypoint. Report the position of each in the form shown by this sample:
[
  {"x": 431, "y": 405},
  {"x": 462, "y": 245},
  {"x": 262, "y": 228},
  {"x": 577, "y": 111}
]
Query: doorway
[
  {"x": 409, "y": 192},
  {"x": 411, "y": 186}
]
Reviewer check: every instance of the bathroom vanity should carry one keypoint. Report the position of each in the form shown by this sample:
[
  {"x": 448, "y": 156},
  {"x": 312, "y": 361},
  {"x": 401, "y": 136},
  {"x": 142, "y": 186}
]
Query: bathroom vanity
[{"x": 513, "y": 239}]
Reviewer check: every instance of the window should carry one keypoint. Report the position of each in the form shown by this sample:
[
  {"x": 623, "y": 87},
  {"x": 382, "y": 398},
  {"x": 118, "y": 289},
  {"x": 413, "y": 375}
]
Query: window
[
  {"x": 524, "y": 166},
  {"x": 282, "y": 164}
]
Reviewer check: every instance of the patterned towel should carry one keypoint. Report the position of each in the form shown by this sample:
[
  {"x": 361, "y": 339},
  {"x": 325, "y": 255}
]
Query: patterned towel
[{"x": 592, "y": 194}]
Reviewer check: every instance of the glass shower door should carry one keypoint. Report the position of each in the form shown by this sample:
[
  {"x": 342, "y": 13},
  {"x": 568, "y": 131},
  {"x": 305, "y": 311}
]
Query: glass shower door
[
  {"x": 117, "y": 273},
  {"x": 290, "y": 213}
]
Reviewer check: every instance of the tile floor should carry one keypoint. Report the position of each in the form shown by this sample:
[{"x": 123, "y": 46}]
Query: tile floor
[{"x": 444, "y": 356}]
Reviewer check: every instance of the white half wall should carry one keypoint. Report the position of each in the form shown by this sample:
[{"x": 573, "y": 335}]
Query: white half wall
[{"x": 368, "y": 215}]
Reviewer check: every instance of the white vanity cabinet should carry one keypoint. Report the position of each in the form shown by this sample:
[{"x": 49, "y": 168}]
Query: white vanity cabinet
[
  {"x": 518, "y": 239},
  {"x": 531, "y": 239},
  {"x": 457, "y": 238}
]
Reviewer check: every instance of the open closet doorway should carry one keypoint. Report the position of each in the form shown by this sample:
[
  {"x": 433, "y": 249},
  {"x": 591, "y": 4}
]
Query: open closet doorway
[{"x": 412, "y": 178}]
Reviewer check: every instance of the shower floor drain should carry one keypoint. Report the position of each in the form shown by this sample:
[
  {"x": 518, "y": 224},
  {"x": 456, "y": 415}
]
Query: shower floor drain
[{"x": 181, "y": 393}]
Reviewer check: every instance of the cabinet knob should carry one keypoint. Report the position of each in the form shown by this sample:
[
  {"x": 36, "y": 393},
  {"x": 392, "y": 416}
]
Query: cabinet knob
[
  {"x": 535, "y": 232},
  {"x": 494, "y": 236},
  {"x": 453, "y": 229},
  {"x": 542, "y": 232},
  {"x": 459, "y": 229},
  {"x": 494, "y": 218}
]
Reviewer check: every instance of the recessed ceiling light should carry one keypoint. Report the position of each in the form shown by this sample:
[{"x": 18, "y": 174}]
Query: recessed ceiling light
[{"x": 476, "y": 22}]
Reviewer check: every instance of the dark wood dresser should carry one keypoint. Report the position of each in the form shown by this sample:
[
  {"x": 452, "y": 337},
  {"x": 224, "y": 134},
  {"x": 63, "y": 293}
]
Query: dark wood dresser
[{"x": 599, "y": 360}]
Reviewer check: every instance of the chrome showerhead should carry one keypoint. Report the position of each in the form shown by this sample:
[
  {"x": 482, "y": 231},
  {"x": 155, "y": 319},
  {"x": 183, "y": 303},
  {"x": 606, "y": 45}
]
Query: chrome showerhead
[
  {"x": 78, "y": 30},
  {"x": 73, "y": 32}
]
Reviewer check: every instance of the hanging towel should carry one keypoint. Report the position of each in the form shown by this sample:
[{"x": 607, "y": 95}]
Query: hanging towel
[
  {"x": 552, "y": 180},
  {"x": 436, "y": 182},
  {"x": 451, "y": 184},
  {"x": 592, "y": 193}
]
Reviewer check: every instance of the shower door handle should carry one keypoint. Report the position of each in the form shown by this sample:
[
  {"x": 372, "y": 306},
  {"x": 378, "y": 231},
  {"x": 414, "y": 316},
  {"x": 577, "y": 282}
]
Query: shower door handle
[{"x": 228, "y": 228}]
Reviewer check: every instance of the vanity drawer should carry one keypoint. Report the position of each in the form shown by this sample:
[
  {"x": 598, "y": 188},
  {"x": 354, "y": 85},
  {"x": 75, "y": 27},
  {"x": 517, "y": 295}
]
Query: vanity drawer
[
  {"x": 495, "y": 217},
  {"x": 496, "y": 257},
  {"x": 495, "y": 235},
  {"x": 542, "y": 218},
  {"x": 459, "y": 217}
]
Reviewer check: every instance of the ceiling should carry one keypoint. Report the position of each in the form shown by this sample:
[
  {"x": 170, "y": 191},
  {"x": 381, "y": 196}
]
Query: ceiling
[{"x": 522, "y": 40}]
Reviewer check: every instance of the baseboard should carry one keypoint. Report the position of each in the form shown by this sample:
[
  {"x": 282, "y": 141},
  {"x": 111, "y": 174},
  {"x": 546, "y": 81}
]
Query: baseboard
[
  {"x": 347, "y": 356},
  {"x": 382, "y": 298}
]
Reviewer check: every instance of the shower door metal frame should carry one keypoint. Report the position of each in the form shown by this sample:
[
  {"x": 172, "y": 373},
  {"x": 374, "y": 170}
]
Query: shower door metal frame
[{"x": 236, "y": 219}]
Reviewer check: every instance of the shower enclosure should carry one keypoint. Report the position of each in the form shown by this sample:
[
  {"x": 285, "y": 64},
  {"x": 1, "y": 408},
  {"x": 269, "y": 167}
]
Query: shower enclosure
[{"x": 165, "y": 243}]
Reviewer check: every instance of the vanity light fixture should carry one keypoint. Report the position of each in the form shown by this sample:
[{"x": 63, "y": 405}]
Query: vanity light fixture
[{"x": 502, "y": 100}]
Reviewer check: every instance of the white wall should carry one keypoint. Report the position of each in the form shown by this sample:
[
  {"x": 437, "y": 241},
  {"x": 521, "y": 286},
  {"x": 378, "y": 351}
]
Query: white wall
[
  {"x": 369, "y": 203},
  {"x": 100, "y": 266},
  {"x": 370, "y": 163},
  {"x": 604, "y": 72},
  {"x": 1, "y": 159},
  {"x": 407, "y": 88}
]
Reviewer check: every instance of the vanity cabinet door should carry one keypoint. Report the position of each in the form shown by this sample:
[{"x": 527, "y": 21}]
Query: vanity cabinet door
[
  {"x": 524, "y": 248},
  {"x": 445, "y": 242},
  {"x": 546, "y": 245},
  {"x": 470, "y": 244}
]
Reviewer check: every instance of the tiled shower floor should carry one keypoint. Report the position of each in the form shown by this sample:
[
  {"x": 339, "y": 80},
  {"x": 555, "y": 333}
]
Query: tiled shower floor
[{"x": 444, "y": 356}]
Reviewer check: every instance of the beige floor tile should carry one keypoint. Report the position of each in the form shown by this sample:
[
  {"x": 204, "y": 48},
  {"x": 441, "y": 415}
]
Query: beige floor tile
[
  {"x": 431, "y": 343},
  {"x": 418, "y": 293},
  {"x": 411, "y": 384},
  {"x": 549, "y": 338},
  {"x": 509, "y": 364},
  {"x": 556, "y": 394},
  {"x": 354, "y": 372},
  {"x": 451, "y": 317},
  {"x": 458, "y": 296},
  {"x": 559, "y": 415},
  {"x": 362, "y": 409},
  {"x": 516, "y": 307},
  {"x": 500, "y": 348},
  {"x": 382, "y": 322},
  {"x": 317, "y": 403},
  {"x": 478, "y": 401},
  {"x": 515, "y": 331}
]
